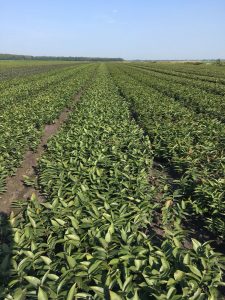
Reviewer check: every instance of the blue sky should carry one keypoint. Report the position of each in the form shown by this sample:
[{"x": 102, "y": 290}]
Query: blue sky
[{"x": 144, "y": 29}]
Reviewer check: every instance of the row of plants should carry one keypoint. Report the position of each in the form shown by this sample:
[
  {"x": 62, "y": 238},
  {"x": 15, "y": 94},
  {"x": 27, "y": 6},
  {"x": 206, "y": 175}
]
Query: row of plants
[
  {"x": 186, "y": 79},
  {"x": 192, "y": 146},
  {"x": 205, "y": 71},
  {"x": 22, "y": 119},
  {"x": 93, "y": 238},
  {"x": 13, "y": 69},
  {"x": 191, "y": 97},
  {"x": 19, "y": 88}
]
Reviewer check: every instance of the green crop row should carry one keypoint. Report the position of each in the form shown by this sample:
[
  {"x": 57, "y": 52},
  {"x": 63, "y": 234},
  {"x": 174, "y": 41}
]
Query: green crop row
[
  {"x": 194, "y": 98},
  {"x": 93, "y": 237},
  {"x": 11, "y": 70},
  {"x": 193, "y": 145},
  {"x": 184, "y": 79},
  {"x": 19, "y": 88},
  {"x": 183, "y": 71},
  {"x": 23, "y": 117},
  {"x": 207, "y": 72}
]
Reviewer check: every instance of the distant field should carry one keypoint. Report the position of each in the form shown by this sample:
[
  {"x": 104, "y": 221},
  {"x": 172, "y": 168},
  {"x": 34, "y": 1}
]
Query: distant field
[
  {"x": 114, "y": 175},
  {"x": 17, "y": 68}
]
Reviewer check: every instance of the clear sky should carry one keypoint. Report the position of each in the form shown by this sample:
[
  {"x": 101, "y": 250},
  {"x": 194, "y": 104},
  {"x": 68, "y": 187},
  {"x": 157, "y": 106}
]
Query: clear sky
[{"x": 144, "y": 29}]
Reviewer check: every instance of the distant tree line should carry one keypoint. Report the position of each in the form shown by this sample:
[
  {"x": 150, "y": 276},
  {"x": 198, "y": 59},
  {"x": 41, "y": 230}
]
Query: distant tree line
[{"x": 65, "y": 58}]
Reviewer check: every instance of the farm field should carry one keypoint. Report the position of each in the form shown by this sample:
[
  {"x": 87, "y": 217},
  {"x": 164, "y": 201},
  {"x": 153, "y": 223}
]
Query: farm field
[
  {"x": 128, "y": 192},
  {"x": 20, "y": 68}
]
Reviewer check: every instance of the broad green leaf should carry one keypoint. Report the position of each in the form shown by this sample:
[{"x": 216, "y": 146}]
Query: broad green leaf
[
  {"x": 171, "y": 293},
  {"x": 46, "y": 260},
  {"x": 114, "y": 296},
  {"x": 98, "y": 290},
  {"x": 195, "y": 244},
  {"x": 108, "y": 237},
  {"x": 42, "y": 295},
  {"x": 178, "y": 275},
  {"x": 72, "y": 292},
  {"x": 73, "y": 237},
  {"x": 94, "y": 266},
  {"x": 33, "y": 280},
  {"x": 195, "y": 271},
  {"x": 20, "y": 294},
  {"x": 187, "y": 259}
]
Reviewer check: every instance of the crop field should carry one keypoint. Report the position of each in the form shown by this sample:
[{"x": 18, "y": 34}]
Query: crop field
[{"x": 112, "y": 180}]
